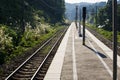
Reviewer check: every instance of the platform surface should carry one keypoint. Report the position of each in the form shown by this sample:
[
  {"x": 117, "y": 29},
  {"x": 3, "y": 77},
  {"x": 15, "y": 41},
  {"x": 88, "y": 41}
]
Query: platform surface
[{"x": 74, "y": 61}]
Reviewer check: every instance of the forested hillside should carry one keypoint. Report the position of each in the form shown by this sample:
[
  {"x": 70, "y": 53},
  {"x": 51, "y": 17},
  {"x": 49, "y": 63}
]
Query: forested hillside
[
  {"x": 23, "y": 23},
  {"x": 91, "y": 9}
]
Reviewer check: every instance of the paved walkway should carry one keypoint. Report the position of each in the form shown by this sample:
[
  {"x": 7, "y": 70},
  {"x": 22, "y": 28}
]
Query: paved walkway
[{"x": 75, "y": 61}]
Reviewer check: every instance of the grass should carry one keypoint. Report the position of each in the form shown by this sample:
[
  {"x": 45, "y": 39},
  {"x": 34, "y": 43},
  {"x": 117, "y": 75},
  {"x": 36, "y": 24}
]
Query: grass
[{"x": 106, "y": 34}]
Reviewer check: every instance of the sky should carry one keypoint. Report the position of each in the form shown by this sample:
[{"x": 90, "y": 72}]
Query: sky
[{"x": 78, "y": 1}]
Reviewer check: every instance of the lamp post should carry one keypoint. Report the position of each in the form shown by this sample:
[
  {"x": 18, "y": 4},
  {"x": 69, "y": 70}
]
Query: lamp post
[
  {"x": 84, "y": 16},
  {"x": 76, "y": 16},
  {"x": 114, "y": 25}
]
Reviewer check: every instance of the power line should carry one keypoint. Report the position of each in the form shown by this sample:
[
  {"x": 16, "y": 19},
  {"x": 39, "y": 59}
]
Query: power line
[
  {"x": 56, "y": 9},
  {"x": 49, "y": 5}
]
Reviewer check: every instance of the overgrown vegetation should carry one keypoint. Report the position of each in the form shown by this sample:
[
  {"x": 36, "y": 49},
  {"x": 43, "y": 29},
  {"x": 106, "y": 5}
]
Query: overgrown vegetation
[
  {"x": 105, "y": 33},
  {"x": 104, "y": 21},
  {"x": 105, "y": 16},
  {"x": 30, "y": 38},
  {"x": 102, "y": 16},
  {"x": 25, "y": 23}
]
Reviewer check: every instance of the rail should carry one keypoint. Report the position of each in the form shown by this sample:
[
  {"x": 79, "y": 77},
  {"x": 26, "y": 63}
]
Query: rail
[{"x": 32, "y": 56}]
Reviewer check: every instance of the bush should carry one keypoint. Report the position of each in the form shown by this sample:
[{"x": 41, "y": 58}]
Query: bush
[
  {"x": 105, "y": 33},
  {"x": 2, "y": 57}
]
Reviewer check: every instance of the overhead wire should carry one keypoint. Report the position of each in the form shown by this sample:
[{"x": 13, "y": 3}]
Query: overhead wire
[{"x": 49, "y": 5}]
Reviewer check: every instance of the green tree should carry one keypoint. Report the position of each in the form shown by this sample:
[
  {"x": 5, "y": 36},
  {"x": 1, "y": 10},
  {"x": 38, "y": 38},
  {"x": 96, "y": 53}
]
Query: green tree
[
  {"x": 118, "y": 14},
  {"x": 18, "y": 15},
  {"x": 105, "y": 16}
]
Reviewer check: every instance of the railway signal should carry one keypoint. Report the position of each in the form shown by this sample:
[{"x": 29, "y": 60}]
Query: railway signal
[
  {"x": 114, "y": 25},
  {"x": 84, "y": 16}
]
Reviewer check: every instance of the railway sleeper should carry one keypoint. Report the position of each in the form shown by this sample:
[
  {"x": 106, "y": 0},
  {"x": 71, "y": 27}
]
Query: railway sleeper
[
  {"x": 37, "y": 58},
  {"x": 34, "y": 62},
  {"x": 44, "y": 68},
  {"x": 16, "y": 78},
  {"x": 39, "y": 78},
  {"x": 30, "y": 67},
  {"x": 42, "y": 72},
  {"x": 26, "y": 72},
  {"x": 22, "y": 75},
  {"x": 23, "y": 69}
]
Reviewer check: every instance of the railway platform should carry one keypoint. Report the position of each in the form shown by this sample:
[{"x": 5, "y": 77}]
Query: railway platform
[{"x": 74, "y": 61}]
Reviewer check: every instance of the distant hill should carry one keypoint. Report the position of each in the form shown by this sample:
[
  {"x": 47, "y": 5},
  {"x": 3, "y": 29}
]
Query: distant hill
[{"x": 70, "y": 8}]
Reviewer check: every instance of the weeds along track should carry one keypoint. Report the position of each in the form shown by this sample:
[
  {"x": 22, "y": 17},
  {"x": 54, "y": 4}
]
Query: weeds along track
[
  {"x": 104, "y": 40},
  {"x": 35, "y": 67}
]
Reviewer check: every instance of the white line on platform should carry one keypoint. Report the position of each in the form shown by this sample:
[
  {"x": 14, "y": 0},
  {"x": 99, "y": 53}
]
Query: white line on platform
[
  {"x": 75, "y": 77},
  {"x": 76, "y": 34},
  {"x": 105, "y": 65},
  {"x": 107, "y": 50}
]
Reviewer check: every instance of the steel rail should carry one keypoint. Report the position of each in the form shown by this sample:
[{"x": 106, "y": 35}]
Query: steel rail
[
  {"x": 109, "y": 41},
  {"x": 29, "y": 57},
  {"x": 47, "y": 56}
]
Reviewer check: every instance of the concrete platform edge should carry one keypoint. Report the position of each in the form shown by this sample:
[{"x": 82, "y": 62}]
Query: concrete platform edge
[{"x": 54, "y": 71}]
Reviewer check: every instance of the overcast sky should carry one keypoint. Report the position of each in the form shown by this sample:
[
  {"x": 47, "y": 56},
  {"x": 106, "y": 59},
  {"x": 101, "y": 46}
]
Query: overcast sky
[{"x": 78, "y": 1}]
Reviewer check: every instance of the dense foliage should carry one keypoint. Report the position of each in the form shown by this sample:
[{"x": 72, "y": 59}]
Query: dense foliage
[
  {"x": 23, "y": 23},
  {"x": 104, "y": 21},
  {"x": 105, "y": 16},
  {"x": 17, "y": 13}
]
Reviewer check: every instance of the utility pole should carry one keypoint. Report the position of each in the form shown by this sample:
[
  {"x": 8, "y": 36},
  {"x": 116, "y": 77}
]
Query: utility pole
[
  {"x": 84, "y": 16},
  {"x": 114, "y": 25},
  {"x": 80, "y": 22}
]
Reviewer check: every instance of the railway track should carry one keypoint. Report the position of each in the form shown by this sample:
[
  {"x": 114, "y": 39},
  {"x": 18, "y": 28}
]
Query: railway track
[
  {"x": 104, "y": 40},
  {"x": 35, "y": 67}
]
